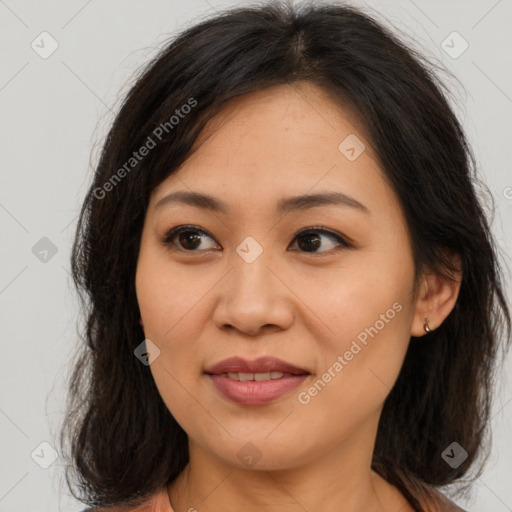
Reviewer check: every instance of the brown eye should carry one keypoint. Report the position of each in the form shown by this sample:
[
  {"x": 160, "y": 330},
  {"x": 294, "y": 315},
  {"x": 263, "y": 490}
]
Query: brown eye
[
  {"x": 194, "y": 239},
  {"x": 188, "y": 239},
  {"x": 311, "y": 239}
]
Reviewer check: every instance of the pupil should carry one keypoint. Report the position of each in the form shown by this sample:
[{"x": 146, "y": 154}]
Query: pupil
[
  {"x": 187, "y": 236},
  {"x": 312, "y": 241}
]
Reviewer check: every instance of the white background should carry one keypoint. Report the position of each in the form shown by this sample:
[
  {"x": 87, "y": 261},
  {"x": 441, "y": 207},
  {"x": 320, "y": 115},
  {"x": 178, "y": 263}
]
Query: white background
[{"x": 55, "y": 112}]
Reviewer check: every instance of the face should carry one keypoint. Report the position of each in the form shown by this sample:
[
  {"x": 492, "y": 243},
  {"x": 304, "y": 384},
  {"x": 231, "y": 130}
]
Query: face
[{"x": 324, "y": 284}]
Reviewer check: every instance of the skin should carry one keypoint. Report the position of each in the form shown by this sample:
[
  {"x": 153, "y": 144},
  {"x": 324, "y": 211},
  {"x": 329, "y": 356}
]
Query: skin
[{"x": 305, "y": 307}]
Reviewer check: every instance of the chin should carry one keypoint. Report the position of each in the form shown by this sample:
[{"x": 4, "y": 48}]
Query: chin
[{"x": 263, "y": 454}]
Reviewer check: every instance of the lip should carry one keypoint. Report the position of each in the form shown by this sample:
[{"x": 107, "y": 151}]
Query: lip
[
  {"x": 262, "y": 364},
  {"x": 255, "y": 392}
]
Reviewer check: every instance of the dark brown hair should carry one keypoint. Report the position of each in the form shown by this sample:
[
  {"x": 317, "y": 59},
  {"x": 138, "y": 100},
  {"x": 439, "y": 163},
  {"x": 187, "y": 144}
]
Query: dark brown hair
[{"x": 123, "y": 441}]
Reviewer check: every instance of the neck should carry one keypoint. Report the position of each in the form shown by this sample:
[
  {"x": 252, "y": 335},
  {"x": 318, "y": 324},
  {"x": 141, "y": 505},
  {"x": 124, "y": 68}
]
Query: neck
[{"x": 340, "y": 479}]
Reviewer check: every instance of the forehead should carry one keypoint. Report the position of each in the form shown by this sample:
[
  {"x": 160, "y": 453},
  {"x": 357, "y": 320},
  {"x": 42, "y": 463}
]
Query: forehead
[{"x": 282, "y": 140}]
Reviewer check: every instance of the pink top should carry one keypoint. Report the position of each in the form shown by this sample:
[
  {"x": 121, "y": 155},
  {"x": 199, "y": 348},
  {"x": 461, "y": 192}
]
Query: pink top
[{"x": 159, "y": 502}]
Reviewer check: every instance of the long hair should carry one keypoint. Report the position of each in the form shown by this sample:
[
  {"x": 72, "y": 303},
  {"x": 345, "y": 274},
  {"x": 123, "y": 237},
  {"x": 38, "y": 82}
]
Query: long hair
[{"x": 122, "y": 442}]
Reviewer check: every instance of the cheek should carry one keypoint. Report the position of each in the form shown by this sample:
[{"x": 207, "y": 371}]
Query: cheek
[
  {"x": 366, "y": 310},
  {"x": 169, "y": 303},
  {"x": 171, "y": 323},
  {"x": 359, "y": 368},
  {"x": 163, "y": 306},
  {"x": 165, "y": 295},
  {"x": 368, "y": 290}
]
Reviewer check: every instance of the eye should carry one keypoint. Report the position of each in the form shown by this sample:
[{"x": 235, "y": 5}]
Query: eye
[
  {"x": 188, "y": 238},
  {"x": 310, "y": 239}
]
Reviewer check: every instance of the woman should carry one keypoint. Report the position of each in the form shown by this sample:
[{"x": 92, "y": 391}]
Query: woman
[{"x": 294, "y": 300}]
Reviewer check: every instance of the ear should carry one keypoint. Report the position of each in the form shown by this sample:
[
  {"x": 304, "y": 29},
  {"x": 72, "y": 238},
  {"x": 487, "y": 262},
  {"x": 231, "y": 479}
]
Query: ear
[{"x": 436, "y": 298}]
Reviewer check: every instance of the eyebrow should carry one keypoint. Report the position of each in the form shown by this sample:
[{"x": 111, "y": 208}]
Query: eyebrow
[{"x": 286, "y": 205}]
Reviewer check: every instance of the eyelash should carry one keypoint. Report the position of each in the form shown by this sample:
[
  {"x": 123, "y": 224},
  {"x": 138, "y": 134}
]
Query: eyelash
[{"x": 168, "y": 238}]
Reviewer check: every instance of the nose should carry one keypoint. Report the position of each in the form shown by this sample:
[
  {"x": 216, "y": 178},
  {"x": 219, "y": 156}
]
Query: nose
[{"x": 254, "y": 299}]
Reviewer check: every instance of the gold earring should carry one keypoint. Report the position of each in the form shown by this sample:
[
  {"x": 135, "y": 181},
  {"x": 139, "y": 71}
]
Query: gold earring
[{"x": 426, "y": 326}]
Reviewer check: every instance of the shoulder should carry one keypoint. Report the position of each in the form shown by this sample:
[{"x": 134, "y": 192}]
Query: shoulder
[{"x": 158, "y": 502}]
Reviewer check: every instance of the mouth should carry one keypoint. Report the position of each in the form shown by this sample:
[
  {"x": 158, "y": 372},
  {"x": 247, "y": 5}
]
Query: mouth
[
  {"x": 255, "y": 382},
  {"x": 263, "y": 365},
  {"x": 258, "y": 377}
]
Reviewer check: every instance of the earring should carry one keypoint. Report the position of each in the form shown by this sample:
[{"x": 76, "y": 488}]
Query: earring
[{"x": 426, "y": 326}]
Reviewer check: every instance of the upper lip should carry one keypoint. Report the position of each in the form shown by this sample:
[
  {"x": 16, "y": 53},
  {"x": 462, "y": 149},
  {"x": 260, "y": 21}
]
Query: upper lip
[{"x": 261, "y": 365}]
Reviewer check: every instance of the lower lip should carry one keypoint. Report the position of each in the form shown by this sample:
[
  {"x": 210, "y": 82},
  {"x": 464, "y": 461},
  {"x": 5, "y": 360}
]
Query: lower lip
[{"x": 256, "y": 392}]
